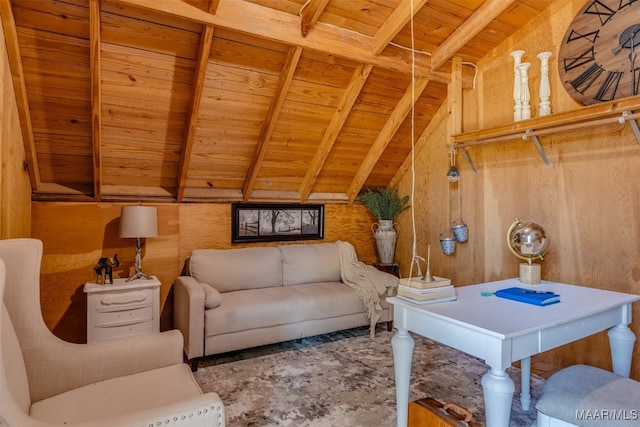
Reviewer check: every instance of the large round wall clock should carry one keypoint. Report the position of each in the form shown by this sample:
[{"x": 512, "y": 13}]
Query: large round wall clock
[{"x": 597, "y": 58}]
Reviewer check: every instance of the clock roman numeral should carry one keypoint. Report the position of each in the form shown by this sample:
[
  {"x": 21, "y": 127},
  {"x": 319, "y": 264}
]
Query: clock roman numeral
[
  {"x": 636, "y": 81},
  {"x": 602, "y": 10},
  {"x": 591, "y": 37},
  {"x": 586, "y": 79},
  {"x": 624, "y": 4},
  {"x": 584, "y": 58},
  {"x": 609, "y": 86}
]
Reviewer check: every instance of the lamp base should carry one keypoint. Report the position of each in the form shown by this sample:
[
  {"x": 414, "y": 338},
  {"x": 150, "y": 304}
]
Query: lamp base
[
  {"x": 139, "y": 275},
  {"x": 137, "y": 264},
  {"x": 530, "y": 273}
]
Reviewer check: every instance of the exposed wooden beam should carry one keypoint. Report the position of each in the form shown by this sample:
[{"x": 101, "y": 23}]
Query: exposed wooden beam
[
  {"x": 396, "y": 22},
  {"x": 214, "y": 194},
  {"x": 213, "y": 6},
  {"x": 57, "y": 192},
  {"x": 110, "y": 193},
  {"x": 43, "y": 195},
  {"x": 419, "y": 145},
  {"x": 260, "y": 21},
  {"x": 486, "y": 13},
  {"x": 50, "y": 188},
  {"x": 333, "y": 130},
  {"x": 310, "y": 14},
  {"x": 454, "y": 97},
  {"x": 136, "y": 193},
  {"x": 201, "y": 194},
  {"x": 394, "y": 121},
  {"x": 96, "y": 95},
  {"x": 17, "y": 76},
  {"x": 199, "y": 77},
  {"x": 272, "y": 118}
]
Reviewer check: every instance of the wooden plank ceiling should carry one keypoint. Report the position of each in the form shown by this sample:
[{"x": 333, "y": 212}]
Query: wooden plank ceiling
[{"x": 236, "y": 100}]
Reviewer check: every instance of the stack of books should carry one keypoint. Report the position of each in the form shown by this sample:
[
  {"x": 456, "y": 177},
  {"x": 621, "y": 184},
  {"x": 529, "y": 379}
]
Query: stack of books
[{"x": 418, "y": 291}]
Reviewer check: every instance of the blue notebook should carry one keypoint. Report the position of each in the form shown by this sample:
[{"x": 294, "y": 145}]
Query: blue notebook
[{"x": 529, "y": 296}]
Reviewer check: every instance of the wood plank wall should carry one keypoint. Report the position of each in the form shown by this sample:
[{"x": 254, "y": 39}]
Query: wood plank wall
[
  {"x": 76, "y": 235},
  {"x": 588, "y": 200},
  {"x": 15, "y": 189}
]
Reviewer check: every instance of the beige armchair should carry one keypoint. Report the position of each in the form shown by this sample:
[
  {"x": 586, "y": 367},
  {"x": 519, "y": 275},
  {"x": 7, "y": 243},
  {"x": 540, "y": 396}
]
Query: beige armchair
[{"x": 44, "y": 381}]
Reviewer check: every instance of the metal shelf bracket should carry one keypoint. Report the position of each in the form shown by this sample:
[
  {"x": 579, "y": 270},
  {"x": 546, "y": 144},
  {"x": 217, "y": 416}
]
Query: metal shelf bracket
[
  {"x": 536, "y": 141},
  {"x": 466, "y": 156},
  {"x": 632, "y": 122}
]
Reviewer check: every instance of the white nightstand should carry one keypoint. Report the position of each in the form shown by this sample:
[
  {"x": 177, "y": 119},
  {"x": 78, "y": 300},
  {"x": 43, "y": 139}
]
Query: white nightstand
[{"x": 122, "y": 309}]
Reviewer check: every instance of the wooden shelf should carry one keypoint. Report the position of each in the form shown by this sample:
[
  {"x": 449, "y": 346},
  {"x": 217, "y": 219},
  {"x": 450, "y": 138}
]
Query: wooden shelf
[{"x": 592, "y": 115}]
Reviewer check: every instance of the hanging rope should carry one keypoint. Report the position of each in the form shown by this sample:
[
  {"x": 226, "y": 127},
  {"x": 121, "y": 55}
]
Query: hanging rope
[
  {"x": 448, "y": 206},
  {"x": 414, "y": 250},
  {"x": 460, "y": 198},
  {"x": 453, "y": 175}
]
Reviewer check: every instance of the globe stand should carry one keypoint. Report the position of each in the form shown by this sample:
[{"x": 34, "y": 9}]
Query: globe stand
[
  {"x": 527, "y": 241},
  {"x": 530, "y": 273}
]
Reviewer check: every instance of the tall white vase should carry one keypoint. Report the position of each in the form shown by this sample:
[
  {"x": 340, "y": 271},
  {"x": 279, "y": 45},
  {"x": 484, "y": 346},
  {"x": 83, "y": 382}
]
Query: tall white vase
[
  {"x": 545, "y": 89},
  {"x": 525, "y": 95},
  {"x": 517, "y": 104},
  {"x": 385, "y": 234}
]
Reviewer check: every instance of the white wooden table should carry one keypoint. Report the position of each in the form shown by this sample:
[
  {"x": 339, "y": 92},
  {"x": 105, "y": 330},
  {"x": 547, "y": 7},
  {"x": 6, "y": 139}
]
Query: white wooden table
[{"x": 501, "y": 331}]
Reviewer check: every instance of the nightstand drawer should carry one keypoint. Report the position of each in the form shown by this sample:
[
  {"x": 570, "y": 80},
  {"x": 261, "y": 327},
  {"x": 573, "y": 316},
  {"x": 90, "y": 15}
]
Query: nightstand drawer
[
  {"x": 108, "y": 332},
  {"x": 120, "y": 300},
  {"x": 121, "y": 315}
]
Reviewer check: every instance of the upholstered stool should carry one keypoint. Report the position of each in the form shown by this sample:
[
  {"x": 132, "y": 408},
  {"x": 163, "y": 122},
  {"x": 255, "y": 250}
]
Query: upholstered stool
[{"x": 586, "y": 396}]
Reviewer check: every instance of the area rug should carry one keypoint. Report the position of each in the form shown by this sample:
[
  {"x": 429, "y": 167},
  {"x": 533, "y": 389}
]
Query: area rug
[{"x": 345, "y": 379}]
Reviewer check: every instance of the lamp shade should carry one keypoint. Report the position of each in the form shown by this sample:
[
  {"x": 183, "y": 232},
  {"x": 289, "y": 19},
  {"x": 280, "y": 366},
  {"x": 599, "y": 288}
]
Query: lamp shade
[{"x": 139, "y": 221}]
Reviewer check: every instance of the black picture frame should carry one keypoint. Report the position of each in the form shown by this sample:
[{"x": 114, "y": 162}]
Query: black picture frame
[{"x": 256, "y": 222}]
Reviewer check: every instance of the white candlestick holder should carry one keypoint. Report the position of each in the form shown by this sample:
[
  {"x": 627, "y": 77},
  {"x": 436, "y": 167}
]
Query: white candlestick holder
[
  {"x": 517, "y": 103},
  {"x": 525, "y": 95},
  {"x": 545, "y": 89}
]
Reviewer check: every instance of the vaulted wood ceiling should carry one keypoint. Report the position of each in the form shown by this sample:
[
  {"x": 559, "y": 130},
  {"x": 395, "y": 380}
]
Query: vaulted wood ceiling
[{"x": 236, "y": 100}]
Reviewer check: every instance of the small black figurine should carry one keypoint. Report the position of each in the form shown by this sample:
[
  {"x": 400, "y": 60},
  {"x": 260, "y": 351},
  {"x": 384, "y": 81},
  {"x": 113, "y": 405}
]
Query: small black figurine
[{"x": 104, "y": 267}]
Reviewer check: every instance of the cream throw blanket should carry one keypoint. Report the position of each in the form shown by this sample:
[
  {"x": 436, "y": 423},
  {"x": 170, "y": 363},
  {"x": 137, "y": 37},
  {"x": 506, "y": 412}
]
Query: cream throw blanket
[{"x": 369, "y": 283}]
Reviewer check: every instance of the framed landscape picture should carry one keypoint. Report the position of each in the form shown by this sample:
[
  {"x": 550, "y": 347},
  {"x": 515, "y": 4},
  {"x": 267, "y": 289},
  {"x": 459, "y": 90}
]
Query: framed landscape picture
[{"x": 276, "y": 222}]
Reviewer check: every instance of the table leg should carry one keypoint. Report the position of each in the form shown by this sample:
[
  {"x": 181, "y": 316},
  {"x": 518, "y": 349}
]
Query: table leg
[
  {"x": 525, "y": 383},
  {"x": 498, "y": 389},
  {"x": 621, "y": 341},
  {"x": 402, "y": 344}
]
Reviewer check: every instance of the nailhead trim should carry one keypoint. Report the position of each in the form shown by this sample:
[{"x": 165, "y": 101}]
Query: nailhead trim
[{"x": 183, "y": 417}]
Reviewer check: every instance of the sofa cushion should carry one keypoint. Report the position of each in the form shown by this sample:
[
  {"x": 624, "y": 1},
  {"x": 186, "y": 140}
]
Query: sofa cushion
[
  {"x": 212, "y": 297},
  {"x": 264, "y": 308},
  {"x": 310, "y": 263},
  {"x": 236, "y": 269}
]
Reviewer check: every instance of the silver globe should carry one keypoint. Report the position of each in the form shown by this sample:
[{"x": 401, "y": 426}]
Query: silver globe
[{"x": 527, "y": 240}]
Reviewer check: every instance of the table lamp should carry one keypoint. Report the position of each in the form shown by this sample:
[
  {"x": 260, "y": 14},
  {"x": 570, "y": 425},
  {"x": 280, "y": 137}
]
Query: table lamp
[{"x": 138, "y": 222}]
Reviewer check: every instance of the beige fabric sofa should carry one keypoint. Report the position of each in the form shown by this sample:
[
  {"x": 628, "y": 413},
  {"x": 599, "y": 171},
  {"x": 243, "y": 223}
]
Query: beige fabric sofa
[{"x": 240, "y": 298}]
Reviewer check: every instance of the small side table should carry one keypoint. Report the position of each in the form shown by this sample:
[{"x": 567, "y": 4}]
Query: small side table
[
  {"x": 393, "y": 268},
  {"x": 122, "y": 309}
]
